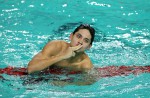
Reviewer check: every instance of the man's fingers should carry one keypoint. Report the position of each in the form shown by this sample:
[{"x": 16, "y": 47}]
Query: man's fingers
[{"x": 76, "y": 47}]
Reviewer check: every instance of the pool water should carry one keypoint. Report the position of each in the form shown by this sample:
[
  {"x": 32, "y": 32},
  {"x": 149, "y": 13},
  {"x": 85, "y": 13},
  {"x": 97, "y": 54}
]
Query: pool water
[{"x": 122, "y": 38}]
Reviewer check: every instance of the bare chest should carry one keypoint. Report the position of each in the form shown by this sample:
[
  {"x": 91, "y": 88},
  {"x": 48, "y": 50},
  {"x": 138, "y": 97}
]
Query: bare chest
[{"x": 69, "y": 63}]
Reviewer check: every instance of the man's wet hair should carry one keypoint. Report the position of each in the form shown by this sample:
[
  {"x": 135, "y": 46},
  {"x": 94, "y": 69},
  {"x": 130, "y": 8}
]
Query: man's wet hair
[{"x": 89, "y": 28}]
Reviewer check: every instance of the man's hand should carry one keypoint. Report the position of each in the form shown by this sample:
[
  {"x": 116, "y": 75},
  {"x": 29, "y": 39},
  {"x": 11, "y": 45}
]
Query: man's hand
[{"x": 70, "y": 52}]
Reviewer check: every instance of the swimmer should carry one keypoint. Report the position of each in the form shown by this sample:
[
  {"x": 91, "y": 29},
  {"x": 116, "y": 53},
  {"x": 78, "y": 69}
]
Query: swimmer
[
  {"x": 58, "y": 54},
  {"x": 62, "y": 54}
]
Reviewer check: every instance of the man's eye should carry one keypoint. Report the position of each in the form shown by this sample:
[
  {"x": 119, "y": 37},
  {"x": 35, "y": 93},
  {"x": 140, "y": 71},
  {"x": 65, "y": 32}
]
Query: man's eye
[
  {"x": 86, "y": 41},
  {"x": 78, "y": 36}
]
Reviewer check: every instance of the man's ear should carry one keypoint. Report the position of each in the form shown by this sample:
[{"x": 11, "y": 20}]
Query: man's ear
[
  {"x": 89, "y": 46},
  {"x": 71, "y": 36}
]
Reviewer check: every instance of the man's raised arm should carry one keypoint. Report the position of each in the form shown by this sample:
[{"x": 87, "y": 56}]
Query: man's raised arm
[{"x": 47, "y": 57}]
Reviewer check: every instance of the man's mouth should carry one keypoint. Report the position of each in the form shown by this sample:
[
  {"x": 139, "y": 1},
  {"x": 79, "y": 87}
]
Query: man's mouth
[{"x": 78, "y": 44}]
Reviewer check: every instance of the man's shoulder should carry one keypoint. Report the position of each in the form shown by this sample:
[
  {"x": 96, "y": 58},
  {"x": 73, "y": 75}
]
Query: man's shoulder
[
  {"x": 87, "y": 61},
  {"x": 53, "y": 47},
  {"x": 58, "y": 42}
]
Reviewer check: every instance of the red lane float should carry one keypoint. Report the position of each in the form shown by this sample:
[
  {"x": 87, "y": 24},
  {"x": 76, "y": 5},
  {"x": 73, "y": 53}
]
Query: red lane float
[{"x": 108, "y": 71}]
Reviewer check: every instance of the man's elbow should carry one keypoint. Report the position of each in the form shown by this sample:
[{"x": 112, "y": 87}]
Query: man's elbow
[{"x": 30, "y": 69}]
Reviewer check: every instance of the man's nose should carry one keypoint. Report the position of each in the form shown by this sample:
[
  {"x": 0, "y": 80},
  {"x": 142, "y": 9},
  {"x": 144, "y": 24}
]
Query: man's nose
[{"x": 80, "y": 42}]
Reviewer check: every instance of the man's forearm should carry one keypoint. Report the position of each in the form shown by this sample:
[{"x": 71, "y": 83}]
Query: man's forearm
[{"x": 40, "y": 64}]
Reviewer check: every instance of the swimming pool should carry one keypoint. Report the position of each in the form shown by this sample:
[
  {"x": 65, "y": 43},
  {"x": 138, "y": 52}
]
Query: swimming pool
[{"x": 122, "y": 38}]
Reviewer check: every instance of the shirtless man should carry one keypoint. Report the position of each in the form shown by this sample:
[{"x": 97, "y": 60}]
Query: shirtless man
[{"x": 67, "y": 55}]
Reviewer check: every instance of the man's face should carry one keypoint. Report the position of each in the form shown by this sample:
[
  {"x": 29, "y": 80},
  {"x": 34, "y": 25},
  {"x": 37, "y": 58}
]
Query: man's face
[{"x": 82, "y": 37}]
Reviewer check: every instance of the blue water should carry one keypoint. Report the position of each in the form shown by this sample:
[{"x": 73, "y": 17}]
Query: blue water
[{"x": 122, "y": 38}]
